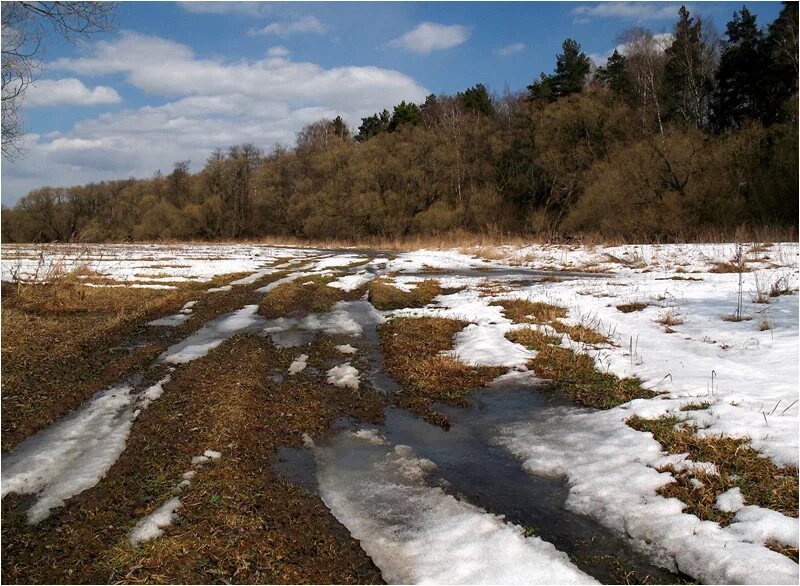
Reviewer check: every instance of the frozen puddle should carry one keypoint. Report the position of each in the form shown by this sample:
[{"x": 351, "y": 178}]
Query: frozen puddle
[{"x": 416, "y": 534}]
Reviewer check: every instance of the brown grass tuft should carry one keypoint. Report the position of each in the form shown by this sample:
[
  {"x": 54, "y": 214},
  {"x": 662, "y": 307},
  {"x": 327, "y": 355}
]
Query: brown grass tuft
[
  {"x": 523, "y": 311},
  {"x": 384, "y": 296},
  {"x": 412, "y": 348},
  {"x": 531, "y": 339},
  {"x": 575, "y": 377},
  {"x": 728, "y": 267},
  {"x": 579, "y": 333},
  {"x": 304, "y": 294},
  {"x": 633, "y": 306}
]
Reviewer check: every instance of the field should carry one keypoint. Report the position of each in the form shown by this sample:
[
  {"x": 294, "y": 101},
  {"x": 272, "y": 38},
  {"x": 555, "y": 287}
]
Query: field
[{"x": 490, "y": 414}]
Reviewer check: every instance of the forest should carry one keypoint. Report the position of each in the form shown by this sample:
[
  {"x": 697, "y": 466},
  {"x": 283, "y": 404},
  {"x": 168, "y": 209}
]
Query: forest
[{"x": 674, "y": 136}]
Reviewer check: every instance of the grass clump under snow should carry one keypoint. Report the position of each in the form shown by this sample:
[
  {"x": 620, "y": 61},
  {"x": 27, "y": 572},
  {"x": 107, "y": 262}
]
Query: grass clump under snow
[
  {"x": 761, "y": 482},
  {"x": 305, "y": 294},
  {"x": 383, "y": 295},
  {"x": 575, "y": 377}
]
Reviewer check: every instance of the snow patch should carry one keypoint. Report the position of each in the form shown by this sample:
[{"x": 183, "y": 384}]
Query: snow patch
[
  {"x": 153, "y": 525},
  {"x": 298, "y": 365},
  {"x": 343, "y": 375}
]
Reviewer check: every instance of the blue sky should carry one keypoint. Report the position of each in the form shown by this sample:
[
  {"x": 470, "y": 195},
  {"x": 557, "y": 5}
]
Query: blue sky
[{"x": 173, "y": 81}]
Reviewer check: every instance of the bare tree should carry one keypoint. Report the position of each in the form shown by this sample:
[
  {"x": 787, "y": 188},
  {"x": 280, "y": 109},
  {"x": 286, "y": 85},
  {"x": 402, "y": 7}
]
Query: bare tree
[
  {"x": 645, "y": 60},
  {"x": 24, "y": 26}
]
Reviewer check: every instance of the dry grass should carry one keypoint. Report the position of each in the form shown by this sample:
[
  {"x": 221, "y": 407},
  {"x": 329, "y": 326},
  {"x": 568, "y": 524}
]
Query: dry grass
[
  {"x": 523, "y": 311},
  {"x": 633, "y": 306},
  {"x": 384, "y": 296},
  {"x": 304, "y": 295},
  {"x": 239, "y": 522},
  {"x": 412, "y": 350},
  {"x": 671, "y": 317},
  {"x": 531, "y": 338},
  {"x": 764, "y": 325},
  {"x": 579, "y": 333},
  {"x": 762, "y": 483},
  {"x": 696, "y": 406},
  {"x": 63, "y": 341},
  {"x": 728, "y": 267},
  {"x": 736, "y": 318},
  {"x": 788, "y": 551},
  {"x": 575, "y": 377}
]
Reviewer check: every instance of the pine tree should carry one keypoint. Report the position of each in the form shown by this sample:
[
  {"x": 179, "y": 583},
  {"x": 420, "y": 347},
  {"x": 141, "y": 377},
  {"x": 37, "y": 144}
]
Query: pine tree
[
  {"x": 572, "y": 68},
  {"x": 373, "y": 125},
  {"x": 405, "y": 113},
  {"x": 741, "y": 74},
  {"x": 614, "y": 76},
  {"x": 477, "y": 99}
]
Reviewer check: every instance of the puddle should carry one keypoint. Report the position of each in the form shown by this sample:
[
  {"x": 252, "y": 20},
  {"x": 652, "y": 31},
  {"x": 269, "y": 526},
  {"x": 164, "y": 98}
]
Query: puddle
[{"x": 467, "y": 465}]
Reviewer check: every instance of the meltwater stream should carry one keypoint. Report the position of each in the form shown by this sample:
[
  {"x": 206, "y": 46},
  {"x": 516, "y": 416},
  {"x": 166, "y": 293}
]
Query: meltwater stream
[{"x": 448, "y": 506}]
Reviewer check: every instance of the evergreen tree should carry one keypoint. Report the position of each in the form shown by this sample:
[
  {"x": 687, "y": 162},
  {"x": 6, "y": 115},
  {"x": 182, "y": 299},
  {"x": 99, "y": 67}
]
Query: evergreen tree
[
  {"x": 339, "y": 127},
  {"x": 542, "y": 89},
  {"x": 373, "y": 125},
  {"x": 741, "y": 74},
  {"x": 572, "y": 68},
  {"x": 405, "y": 114},
  {"x": 688, "y": 81},
  {"x": 477, "y": 99},
  {"x": 614, "y": 76}
]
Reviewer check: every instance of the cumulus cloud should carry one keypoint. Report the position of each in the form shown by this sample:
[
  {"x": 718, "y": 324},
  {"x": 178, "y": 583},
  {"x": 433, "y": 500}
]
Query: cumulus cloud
[
  {"x": 509, "y": 49},
  {"x": 639, "y": 11},
  {"x": 662, "y": 42},
  {"x": 429, "y": 36},
  {"x": 306, "y": 24},
  {"x": 209, "y": 103},
  {"x": 68, "y": 92}
]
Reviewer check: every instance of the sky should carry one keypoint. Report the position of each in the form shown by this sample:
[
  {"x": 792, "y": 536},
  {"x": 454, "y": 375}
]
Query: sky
[{"x": 172, "y": 81}]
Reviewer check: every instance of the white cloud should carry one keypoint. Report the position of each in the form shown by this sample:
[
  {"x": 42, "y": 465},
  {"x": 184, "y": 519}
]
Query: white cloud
[
  {"x": 429, "y": 36},
  {"x": 209, "y": 103},
  {"x": 278, "y": 52},
  {"x": 662, "y": 42},
  {"x": 68, "y": 92},
  {"x": 245, "y": 8},
  {"x": 306, "y": 24},
  {"x": 630, "y": 10},
  {"x": 509, "y": 50}
]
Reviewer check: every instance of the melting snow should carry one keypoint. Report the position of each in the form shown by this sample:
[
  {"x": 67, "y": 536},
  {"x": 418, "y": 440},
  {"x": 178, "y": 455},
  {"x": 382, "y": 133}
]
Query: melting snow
[
  {"x": 418, "y": 534},
  {"x": 299, "y": 364},
  {"x": 343, "y": 375},
  {"x": 152, "y": 525},
  {"x": 212, "y": 335}
]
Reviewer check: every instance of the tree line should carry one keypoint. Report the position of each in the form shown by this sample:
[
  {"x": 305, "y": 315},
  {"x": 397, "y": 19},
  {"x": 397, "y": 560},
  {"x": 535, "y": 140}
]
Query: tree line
[{"x": 674, "y": 134}]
